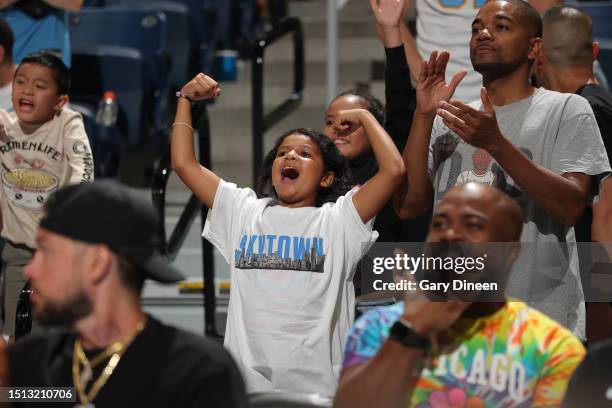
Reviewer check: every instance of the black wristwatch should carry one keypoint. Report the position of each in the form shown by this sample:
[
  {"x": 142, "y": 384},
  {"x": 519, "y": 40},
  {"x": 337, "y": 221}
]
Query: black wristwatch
[{"x": 403, "y": 332}]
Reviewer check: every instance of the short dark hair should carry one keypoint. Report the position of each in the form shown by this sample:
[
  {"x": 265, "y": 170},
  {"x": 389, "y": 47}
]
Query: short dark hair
[
  {"x": 568, "y": 34},
  {"x": 130, "y": 275},
  {"x": 531, "y": 16},
  {"x": 333, "y": 160},
  {"x": 61, "y": 73},
  {"x": 372, "y": 104},
  {"x": 7, "y": 39}
]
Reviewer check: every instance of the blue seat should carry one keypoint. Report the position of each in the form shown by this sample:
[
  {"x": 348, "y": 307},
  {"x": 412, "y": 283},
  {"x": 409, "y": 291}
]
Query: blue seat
[
  {"x": 601, "y": 13},
  {"x": 144, "y": 30},
  {"x": 180, "y": 44},
  {"x": 99, "y": 68},
  {"x": 89, "y": 118},
  {"x": 197, "y": 24},
  {"x": 106, "y": 153}
]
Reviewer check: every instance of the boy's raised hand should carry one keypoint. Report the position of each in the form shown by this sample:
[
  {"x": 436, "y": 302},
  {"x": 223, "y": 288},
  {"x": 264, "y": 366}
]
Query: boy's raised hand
[
  {"x": 201, "y": 87},
  {"x": 388, "y": 13},
  {"x": 431, "y": 86}
]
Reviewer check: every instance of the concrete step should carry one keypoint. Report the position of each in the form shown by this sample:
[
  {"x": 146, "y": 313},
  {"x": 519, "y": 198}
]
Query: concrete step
[
  {"x": 317, "y": 9},
  {"x": 362, "y": 27},
  {"x": 281, "y": 72},
  {"x": 349, "y": 50},
  {"x": 166, "y": 302},
  {"x": 239, "y": 95}
]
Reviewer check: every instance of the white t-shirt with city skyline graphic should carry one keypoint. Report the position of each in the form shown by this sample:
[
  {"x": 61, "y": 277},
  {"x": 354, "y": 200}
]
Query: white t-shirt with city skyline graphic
[{"x": 292, "y": 296}]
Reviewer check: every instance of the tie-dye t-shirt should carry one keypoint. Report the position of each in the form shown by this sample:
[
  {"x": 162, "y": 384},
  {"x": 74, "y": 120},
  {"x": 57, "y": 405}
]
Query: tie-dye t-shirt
[{"x": 516, "y": 357}]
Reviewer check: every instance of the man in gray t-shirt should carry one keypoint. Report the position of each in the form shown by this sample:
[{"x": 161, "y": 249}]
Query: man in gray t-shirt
[{"x": 545, "y": 148}]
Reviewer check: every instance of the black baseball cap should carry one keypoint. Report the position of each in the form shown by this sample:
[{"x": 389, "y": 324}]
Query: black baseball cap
[{"x": 107, "y": 212}]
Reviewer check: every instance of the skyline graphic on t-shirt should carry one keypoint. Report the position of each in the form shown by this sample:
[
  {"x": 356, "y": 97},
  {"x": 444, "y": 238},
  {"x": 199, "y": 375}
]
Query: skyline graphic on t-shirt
[{"x": 270, "y": 251}]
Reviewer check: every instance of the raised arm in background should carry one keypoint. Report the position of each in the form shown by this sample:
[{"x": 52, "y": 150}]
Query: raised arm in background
[{"x": 415, "y": 194}]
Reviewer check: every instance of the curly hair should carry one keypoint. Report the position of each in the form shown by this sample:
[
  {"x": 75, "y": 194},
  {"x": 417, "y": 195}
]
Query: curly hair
[
  {"x": 333, "y": 161},
  {"x": 372, "y": 104}
]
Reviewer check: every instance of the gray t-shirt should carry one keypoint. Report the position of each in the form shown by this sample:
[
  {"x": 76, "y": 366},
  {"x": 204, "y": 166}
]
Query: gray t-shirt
[
  {"x": 559, "y": 132},
  {"x": 447, "y": 25}
]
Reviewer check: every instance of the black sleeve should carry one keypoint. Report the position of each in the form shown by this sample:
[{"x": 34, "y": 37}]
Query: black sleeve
[
  {"x": 39, "y": 359},
  {"x": 208, "y": 382},
  {"x": 400, "y": 96},
  {"x": 227, "y": 387},
  {"x": 604, "y": 122},
  {"x": 584, "y": 388}
]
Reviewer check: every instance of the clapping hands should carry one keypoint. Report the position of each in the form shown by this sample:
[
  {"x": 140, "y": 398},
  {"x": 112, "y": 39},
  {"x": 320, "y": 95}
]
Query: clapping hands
[
  {"x": 478, "y": 128},
  {"x": 431, "y": 85}
]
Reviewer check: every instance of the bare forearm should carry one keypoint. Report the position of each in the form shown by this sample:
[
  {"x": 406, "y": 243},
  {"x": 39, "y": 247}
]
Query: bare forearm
[
  {"x": 388, "y": 158},
  {"x": 561, "y": 198},
  {"x": 392, "y": 36},
  {"x": 385, "y": 381},
  {"x": 415, "y": 192},
  {"x": 70, "y": 5},
  {"x": 374, "y": 194},
  {"x": 200, "y": 180},
  {"x": 601, "y": 228},
  {"x": 182, "y": 150}
]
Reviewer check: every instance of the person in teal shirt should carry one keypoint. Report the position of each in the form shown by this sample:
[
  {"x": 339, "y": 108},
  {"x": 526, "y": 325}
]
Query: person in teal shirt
[{"x": 47, "y": 33}]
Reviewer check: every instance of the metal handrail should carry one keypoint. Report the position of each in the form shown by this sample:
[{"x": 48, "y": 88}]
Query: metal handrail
[
  {"x": 262, "y": 122},
  {"x": 170, "y": 247}
]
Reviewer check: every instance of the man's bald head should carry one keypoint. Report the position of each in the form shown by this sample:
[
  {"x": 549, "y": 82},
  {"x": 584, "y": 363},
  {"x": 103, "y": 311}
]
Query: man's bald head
[
  {"x": 528, "y": 16},
  {"x": 505, "y": 215},
  {"x": 568, "y": 37}
]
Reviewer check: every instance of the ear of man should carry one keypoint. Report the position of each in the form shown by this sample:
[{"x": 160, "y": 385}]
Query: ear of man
[
  {"x": 100, "y": 262},
  {"x": 534, "y": 48}
]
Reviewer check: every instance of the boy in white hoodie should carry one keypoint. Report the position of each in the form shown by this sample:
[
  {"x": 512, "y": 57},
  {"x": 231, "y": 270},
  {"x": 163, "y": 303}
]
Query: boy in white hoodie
[{"x": 43, "y": 146}]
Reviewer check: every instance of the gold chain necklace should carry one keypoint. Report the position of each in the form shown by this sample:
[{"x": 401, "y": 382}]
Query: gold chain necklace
[{"x": 115, "y": 351}]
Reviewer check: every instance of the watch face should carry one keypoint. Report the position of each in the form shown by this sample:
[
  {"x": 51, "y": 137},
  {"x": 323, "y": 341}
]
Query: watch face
[{"x": 402, "y": 332}]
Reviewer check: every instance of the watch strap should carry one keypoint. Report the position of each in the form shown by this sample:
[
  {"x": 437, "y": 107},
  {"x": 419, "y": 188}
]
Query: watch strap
[{"x": 403, "y": 332}]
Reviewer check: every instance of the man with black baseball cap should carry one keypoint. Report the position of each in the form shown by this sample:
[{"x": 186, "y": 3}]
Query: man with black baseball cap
[{"x": 95, "y": 247}]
